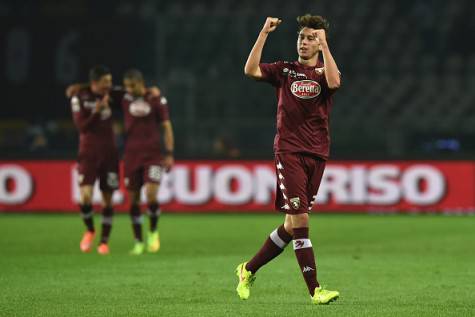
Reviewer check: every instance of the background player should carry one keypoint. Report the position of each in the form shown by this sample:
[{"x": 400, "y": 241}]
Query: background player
[
  {"x": 144, "y": 115},
  {"x": 301, "y": 146},
  {"x": 98, "y": 156}
]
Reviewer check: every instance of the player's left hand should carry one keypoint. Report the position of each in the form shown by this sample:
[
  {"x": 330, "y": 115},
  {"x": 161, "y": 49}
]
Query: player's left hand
[{"x": 168, "y": 162}]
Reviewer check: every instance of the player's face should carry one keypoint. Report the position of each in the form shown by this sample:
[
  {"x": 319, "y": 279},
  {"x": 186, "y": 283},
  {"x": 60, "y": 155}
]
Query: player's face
[
  {"x": 134, "y": 87},
  {"x": 104, "y": 84},
  {"x": 307, "y": 43}
]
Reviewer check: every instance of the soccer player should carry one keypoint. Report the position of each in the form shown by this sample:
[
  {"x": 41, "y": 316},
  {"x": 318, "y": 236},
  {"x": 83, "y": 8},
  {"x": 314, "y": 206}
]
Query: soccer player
[
  {"x": 98, "y": 156},
  {"x": 304, "y": 90},
  {"x": 144, "y": 115}
]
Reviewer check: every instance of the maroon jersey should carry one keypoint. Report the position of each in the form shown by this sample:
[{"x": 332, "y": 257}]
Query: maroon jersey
[
  {"x": 143, "y": 116},
  {"x": 95, "y": 128},
  {"x": 304, "y": 102}
]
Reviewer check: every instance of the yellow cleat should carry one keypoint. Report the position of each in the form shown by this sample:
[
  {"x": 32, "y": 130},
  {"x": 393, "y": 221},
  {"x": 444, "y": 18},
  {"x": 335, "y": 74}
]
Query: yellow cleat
[
  {"x": 139, "y": 248},
  {"x": 246, "y": 279},
  {"x": 323, "y": 296},
  {"x": 153, "y": 242}
]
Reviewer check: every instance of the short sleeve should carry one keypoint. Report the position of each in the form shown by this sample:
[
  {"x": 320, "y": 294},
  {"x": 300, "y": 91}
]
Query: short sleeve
[
  {"x": 161, "y": 104},
  {"x": 272, "y": 73}
]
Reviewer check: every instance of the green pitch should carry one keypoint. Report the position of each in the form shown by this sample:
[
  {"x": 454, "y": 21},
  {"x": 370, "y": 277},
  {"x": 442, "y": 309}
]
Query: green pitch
[{"x": 382, "y": 265}]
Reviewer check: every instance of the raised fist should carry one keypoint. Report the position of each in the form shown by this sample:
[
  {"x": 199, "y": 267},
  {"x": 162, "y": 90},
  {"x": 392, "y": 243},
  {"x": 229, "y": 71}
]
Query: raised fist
[{"x": 271, "y": 24}]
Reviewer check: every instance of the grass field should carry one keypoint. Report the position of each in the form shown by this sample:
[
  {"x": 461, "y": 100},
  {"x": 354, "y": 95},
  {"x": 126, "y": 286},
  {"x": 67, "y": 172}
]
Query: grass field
[{"x": 382, "y": 266}]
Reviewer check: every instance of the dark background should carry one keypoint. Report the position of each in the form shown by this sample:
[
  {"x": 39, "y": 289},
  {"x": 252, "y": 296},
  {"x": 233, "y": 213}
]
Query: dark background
[{"x": 408, "y": 73}]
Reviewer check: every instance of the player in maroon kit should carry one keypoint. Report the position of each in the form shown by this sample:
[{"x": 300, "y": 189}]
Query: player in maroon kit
[
  {"x": 98, "y": 157},
  {"x": 304, "y": 90},
  {"x": 144, "y": 116}
]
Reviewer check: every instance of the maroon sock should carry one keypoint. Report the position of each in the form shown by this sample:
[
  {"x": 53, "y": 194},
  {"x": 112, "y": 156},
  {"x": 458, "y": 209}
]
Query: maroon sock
[
  {"x": 274, "y": 245},
  {"x": 136, "y": 218},
  {"x": 154, "y": 214},
  {"x": 306, "y": 259},
  {"x": 87, "y": 216},
  {"x": 107, "y": 215}
]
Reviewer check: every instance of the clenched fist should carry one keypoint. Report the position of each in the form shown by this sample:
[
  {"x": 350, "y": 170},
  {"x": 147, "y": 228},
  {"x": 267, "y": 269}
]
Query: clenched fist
[
  {"x": 270, "y": 25},
  {"x": 321, "y": 36}
]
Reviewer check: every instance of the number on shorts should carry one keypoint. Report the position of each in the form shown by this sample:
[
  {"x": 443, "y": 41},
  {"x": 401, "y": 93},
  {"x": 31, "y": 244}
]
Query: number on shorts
[
  {"x": 112, "y": 180},
  {"x": 155, "y": 173}
]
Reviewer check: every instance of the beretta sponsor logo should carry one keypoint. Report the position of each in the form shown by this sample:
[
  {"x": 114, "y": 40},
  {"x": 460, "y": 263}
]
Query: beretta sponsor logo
[
  {"x": 305, "y": 89},
  {"x": 139, "y": 108}
]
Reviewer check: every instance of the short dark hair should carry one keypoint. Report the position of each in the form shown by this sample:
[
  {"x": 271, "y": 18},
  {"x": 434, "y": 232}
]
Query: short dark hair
[
  {"x": 98, "y": 71},
  {"x": 134, "y": 74},
  {"x": 316, "y": 22}
]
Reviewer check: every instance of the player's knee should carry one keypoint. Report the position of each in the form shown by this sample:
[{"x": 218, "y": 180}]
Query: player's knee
[
  {"x": 151, "y": 194},
  {"x": 288, "y": 227},
  {"x": 86, "y": 199},
  {"x": 107, "y": 199},
  {"x": 86, "y": 195},
  {"x": 300, "y": 220}
]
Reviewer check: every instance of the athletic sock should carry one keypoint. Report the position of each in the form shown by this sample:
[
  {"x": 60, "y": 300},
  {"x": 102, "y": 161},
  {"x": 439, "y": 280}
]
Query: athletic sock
[
  {"x": 87, "y": 216},
  {"x": 107, "y": 215},
  {"x": 136, "y": 218},
  {"x": 306, "y": 259},
  {"x": 154, "y": 214},
  {"x": 273, "y": 246}
]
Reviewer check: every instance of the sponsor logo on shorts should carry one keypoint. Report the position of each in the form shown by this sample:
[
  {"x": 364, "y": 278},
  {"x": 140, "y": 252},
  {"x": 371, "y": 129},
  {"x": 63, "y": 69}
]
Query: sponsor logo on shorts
[
  {"x": 295, "y": 202},
  {"x": 305, "y": 89}
]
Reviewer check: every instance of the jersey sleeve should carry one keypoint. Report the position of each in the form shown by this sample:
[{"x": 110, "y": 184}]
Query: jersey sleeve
[
  {"x": 161, "y": 104},
  {"x": 83, "y": 119},
  {"x": 272, "y": 73},
  {"x": 324, "y": 83}
]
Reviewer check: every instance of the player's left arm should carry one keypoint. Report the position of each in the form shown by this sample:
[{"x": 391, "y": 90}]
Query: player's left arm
[
  {"x": 332, "y": 74},
  {"x": 163, "y": 116},
  {"x": 169, "y": 142}
]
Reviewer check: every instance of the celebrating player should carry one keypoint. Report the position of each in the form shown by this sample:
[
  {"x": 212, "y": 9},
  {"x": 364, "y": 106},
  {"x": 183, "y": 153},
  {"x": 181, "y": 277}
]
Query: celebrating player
[
  {"x": 144, "y": 115},
  {"x": 98, "y": 157},
  {"x": 304, "y": 90}
]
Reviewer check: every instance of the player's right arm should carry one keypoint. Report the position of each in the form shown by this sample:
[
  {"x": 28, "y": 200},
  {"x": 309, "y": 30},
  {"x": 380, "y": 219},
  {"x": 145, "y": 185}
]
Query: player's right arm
[{"x": 252, "y": 69}]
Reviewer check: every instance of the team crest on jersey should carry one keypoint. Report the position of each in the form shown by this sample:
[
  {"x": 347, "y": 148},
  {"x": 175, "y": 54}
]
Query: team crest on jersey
[
  {"x": 305, "y": 89},
  {"x": 295, "y": 202},
  {"x": 139, "y": 108}
]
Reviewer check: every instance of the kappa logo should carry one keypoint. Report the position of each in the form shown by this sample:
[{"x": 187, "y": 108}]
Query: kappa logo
[
  {"x": 305, "y": 89},
  {"x": 295, "y": 202},
  {"x": 299, "y": 244},
  {"x": 307, "y": 269}
]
